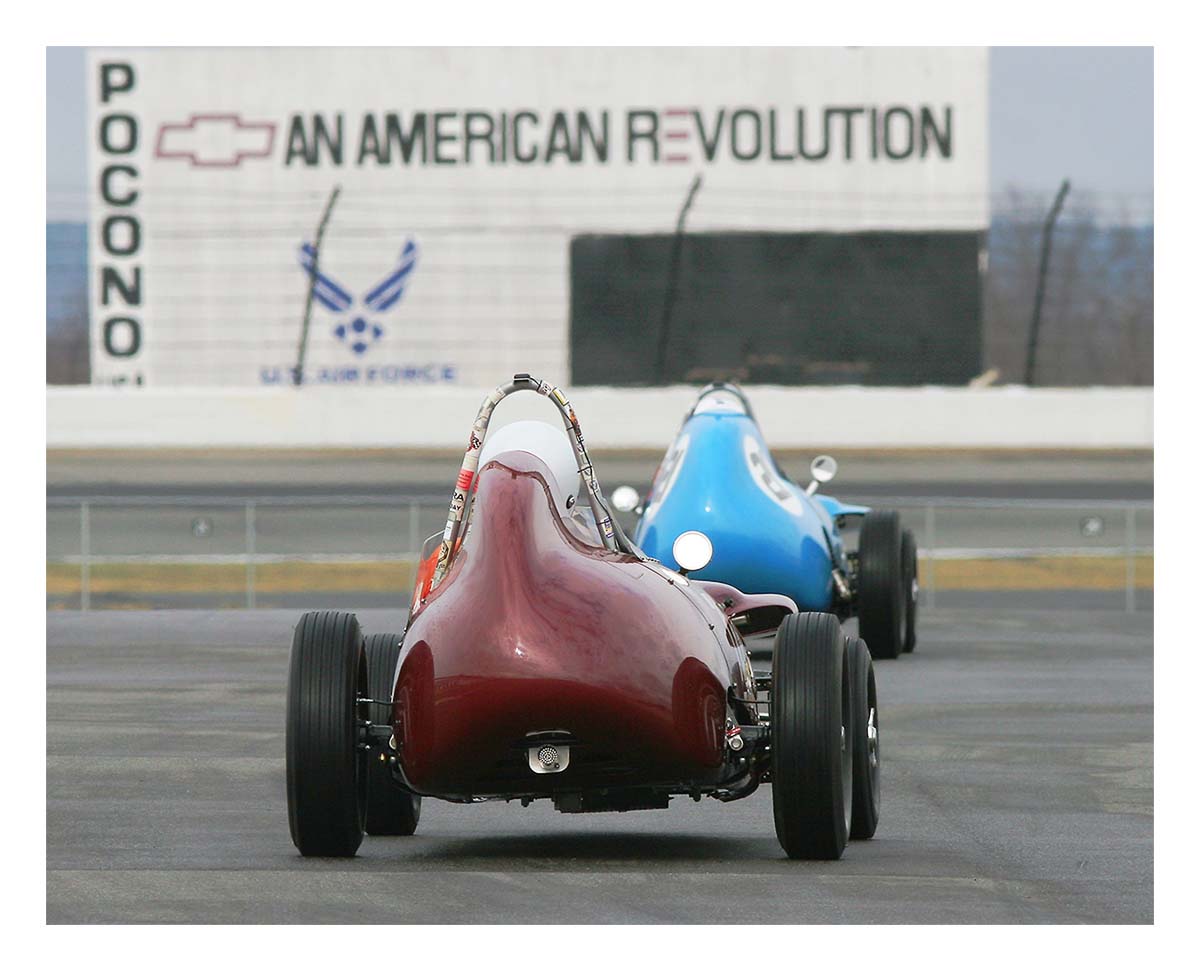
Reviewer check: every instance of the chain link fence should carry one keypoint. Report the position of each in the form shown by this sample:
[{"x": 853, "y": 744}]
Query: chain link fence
[{"x": 1098, "y": 318}]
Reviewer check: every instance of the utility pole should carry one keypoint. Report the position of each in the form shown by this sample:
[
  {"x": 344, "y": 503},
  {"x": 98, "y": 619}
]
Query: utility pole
[
  {"x": 1040, "y": 293},
  {"x": 664, "y": 330},
  {"x": 298, "y": 371}
]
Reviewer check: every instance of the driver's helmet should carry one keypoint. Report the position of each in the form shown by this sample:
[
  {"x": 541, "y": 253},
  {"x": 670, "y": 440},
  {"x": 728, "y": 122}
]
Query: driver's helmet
[{"x": 547, "y": 443}]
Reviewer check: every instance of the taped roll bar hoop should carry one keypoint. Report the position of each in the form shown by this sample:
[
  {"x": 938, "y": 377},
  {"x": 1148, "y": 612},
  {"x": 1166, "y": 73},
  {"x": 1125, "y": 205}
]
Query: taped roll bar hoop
[{"x": 470, "y": 465}]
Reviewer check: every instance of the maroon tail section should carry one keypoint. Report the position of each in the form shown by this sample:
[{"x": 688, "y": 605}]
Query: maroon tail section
[{"x": 533, "y": 630}]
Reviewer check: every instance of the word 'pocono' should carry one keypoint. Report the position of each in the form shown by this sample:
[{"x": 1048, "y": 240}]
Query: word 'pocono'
[{"x": 637, "y": 135}]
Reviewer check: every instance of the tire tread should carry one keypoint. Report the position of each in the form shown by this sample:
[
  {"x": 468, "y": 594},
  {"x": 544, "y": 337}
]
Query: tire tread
[
  {"x": 880, "y": 582},
  {"x": 806, "y": 703},
  {"x": 324, "y": 780}
]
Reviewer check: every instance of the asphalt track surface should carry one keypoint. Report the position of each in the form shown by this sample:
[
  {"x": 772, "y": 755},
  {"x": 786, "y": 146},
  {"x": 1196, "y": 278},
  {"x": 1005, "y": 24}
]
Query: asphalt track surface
[{"x": 1017, "y": 788}]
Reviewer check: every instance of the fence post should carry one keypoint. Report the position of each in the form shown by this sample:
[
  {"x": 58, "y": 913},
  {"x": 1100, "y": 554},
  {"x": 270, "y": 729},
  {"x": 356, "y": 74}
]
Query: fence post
[
  {"x": 250, "y": 551},
  {"x": 1130, "y": 566},
  {"x": 85, "y": 551},
  {"x": 930, "y": 584},
  {"x": 1040, "y": 292}
]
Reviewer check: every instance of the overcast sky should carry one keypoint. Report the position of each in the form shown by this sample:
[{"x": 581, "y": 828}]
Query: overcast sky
[{"x": 1086, "y": 113}]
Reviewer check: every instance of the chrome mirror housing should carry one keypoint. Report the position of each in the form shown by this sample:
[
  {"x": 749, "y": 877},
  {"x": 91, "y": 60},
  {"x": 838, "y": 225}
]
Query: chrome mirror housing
[
  {"x": 625, "y": 498},
  {"x": 822, "y": 469}
]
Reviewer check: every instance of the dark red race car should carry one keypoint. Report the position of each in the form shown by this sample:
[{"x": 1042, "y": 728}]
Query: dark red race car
[{"x": 547, "y": 657}]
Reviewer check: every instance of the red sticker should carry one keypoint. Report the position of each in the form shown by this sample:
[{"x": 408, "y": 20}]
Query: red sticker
[{"x": 464, "y": 480}]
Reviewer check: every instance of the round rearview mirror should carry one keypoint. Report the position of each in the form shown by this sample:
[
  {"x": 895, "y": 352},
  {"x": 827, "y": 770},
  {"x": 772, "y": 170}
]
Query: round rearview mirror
[
  {"x": 692, "y": 551},
  {"x": 625, "y": 498},
  {"x": 823, "y": 468}
]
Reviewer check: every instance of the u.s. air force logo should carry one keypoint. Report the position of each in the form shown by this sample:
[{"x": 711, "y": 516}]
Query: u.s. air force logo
[{"x": 357, "y": 322}]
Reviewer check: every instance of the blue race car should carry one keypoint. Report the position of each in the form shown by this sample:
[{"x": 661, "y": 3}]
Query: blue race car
[{"x": 769, "y": 535}]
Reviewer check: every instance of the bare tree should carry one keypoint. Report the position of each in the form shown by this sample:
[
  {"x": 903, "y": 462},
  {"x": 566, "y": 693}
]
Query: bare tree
[{"x": 1098, "y": 323}]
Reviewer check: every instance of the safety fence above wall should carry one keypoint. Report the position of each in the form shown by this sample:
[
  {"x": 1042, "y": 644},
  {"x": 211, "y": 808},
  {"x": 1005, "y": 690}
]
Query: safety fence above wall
[{"x": 227, "y": 551}]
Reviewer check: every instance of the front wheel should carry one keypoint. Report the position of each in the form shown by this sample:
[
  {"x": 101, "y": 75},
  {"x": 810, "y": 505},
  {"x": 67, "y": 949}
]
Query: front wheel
[
  {"x": 864, "y": 816},
  {"x": 326, "y": 777},
  {"x": 812, "y": 729},
  {"x": 391, "y": 810}
]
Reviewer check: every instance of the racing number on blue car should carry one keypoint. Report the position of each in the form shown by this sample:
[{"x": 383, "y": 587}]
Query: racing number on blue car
[{"x": 762, "y": 470}]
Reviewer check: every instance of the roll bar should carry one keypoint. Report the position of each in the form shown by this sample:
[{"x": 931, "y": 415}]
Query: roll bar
[
  {"x": 470, "y": 465},
  {"x": 728, "y": 386}
]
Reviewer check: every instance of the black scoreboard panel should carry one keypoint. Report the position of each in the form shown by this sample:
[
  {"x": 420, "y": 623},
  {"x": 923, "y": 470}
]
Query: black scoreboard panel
[{"x": 880, "y": 308}]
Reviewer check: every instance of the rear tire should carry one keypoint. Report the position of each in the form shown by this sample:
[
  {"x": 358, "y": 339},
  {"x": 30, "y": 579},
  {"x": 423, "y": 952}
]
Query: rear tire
[
  {"x": 391, "y": 810},
  {"x": 326, "y": 778},
  {"x": 864, "y": 815},
  {"x": 908, "y": 555},
  {"x": 811, "y": 737},
  {"x": 881, "y": 597}
]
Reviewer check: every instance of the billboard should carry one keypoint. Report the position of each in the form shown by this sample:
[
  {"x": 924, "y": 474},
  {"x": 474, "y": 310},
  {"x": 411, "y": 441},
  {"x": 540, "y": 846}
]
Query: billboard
[
  {"x": 879, "y": 308},
  {"x": 462, "y": 177}
]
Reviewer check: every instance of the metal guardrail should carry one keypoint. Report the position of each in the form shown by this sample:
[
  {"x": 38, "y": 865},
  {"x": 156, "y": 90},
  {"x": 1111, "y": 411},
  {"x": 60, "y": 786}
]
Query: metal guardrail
[{"x": 251, "y": 556}]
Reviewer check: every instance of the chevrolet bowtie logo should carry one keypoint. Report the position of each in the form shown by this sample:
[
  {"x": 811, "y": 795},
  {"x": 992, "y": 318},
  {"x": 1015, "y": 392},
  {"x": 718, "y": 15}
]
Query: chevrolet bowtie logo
[{"x": 215, "y": 140}]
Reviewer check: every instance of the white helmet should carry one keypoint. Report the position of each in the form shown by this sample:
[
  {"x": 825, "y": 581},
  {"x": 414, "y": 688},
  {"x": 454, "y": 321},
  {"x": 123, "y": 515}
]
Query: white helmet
[{"x": 545, "y": 442}]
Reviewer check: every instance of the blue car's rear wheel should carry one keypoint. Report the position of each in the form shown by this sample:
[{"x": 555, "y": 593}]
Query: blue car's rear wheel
[
  {"x": 882, "y": 598},
  {"x": 908, "y": 547}
]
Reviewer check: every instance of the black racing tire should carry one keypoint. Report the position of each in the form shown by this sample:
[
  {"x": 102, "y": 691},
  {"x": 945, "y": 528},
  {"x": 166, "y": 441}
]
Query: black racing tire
[
  {"x": 908, "y": 556},
  {"x": 326, "y": 775},
  {"x": 864, "y": 814},
  {"x": 391, "y": 810},
  {"x": 812, "y": 732},
  {"x": 881, "y": 599}
]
